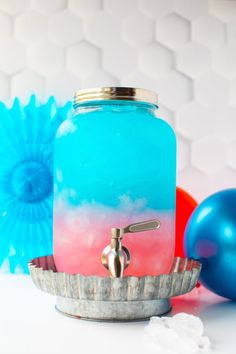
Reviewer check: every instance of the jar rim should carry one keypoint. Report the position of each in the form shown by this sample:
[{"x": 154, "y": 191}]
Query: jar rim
[{"x": 115, "y": 93}]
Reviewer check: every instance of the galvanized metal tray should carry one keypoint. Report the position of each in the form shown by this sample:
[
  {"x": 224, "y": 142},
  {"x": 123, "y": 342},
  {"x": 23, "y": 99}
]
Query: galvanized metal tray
[{"x": 106, "y": 298}]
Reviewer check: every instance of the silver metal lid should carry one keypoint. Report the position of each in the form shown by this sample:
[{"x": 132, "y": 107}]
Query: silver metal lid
[{"x": 115, "y": 93}]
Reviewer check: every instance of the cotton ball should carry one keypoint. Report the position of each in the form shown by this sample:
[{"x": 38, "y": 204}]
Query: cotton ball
[
  {"x": 185, "y": 345},
  {"x": 187, "y": 325},
  {"x": 160, "y": 320},
  {"x": 170, "y": 341},
  {"x": 160, "y": 334},
  {"x": 161, "y": 337},
  {"x": 181, "y": 334},
  {"x": 166, "y": 340},
  {"x": 154, "y": 320}
]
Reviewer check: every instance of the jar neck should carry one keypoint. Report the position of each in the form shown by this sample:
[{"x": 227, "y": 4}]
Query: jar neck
[{"x": 116, "y": 105}]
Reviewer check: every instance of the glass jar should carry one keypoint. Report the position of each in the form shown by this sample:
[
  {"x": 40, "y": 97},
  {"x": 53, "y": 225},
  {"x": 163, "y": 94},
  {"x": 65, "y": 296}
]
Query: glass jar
[{"x": 114, "y": 164}]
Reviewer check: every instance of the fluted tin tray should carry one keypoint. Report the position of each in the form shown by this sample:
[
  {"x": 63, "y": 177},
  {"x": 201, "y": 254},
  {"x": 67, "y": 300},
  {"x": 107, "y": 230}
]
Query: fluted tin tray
[{"x": 111, "y": 299}]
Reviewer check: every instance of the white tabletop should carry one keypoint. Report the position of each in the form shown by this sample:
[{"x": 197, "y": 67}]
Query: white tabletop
[{"x": 29, "y": 324}]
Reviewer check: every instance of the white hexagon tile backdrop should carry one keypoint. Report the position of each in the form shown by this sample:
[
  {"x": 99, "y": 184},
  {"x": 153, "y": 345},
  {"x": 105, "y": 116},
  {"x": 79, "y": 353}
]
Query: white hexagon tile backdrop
[{"x": 183, "y": 49}]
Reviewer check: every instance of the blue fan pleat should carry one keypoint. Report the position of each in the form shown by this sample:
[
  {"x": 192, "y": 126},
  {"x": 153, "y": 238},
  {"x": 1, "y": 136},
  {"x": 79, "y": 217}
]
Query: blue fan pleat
[{"x": 26, "y": 180}]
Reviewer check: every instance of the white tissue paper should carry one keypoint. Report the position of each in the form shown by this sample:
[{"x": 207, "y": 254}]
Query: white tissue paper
[{"x": 180, "y": 334}]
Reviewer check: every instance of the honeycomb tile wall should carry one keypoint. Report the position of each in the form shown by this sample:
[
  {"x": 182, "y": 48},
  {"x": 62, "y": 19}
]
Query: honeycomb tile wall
[{"x": 183, "y": 49}]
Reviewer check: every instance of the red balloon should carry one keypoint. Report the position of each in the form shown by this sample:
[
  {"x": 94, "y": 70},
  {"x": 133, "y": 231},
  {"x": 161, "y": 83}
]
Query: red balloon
[{"x": 185, "y": 205}]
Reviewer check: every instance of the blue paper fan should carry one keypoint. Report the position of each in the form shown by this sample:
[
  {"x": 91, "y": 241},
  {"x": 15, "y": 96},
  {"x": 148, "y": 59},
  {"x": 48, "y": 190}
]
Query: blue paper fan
[{"x": 26, "y": 180}]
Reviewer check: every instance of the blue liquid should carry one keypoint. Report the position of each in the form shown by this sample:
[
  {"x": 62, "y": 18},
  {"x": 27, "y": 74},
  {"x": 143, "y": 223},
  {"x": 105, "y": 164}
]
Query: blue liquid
[{"x": 114, "y": 150}]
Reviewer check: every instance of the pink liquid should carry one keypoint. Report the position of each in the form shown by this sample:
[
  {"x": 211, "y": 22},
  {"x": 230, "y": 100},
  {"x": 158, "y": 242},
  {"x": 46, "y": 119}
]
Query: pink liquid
[{"x": 80, "y": 235}]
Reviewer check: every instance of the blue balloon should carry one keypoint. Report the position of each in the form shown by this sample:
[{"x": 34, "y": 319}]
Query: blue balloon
[{"x": 210, "y": 237}]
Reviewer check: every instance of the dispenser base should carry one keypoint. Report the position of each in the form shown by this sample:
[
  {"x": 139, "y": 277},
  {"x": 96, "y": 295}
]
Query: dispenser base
[
  {"x": 114, "y": 299},
  {"x": 112, "y": 310}
]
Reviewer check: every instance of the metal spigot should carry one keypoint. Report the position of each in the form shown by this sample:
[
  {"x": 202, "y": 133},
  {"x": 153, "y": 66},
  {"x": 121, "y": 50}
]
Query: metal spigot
[{"x": 116, "y": 257}]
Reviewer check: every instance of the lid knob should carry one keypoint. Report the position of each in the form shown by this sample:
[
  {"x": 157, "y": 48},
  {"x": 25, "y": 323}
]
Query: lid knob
[{"x": 116, "y": 257}]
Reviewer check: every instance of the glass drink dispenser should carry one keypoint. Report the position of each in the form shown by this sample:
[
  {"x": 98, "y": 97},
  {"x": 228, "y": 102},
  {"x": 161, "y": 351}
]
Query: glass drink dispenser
[{"x": 114, "y": 165}]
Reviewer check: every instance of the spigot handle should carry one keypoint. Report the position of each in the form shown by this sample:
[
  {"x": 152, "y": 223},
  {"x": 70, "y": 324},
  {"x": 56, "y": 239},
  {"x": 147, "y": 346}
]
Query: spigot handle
[
  {"x": 142, "y": 226},
  {"x": 137, "y": 227}
]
